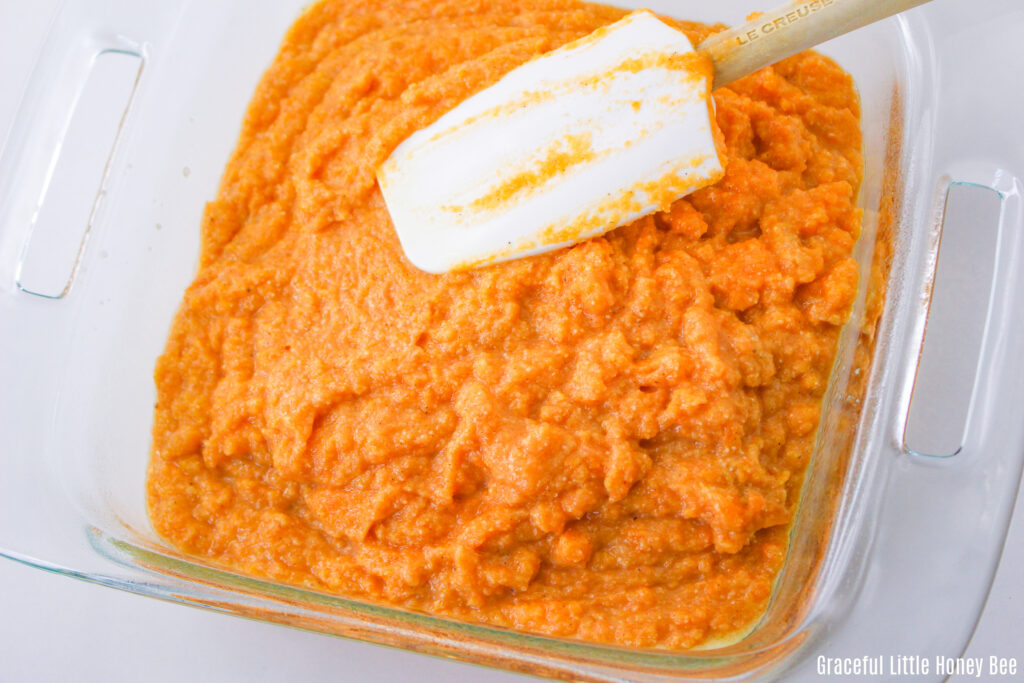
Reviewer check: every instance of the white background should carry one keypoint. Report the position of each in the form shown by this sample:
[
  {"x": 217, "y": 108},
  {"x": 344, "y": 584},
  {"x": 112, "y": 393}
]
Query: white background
[{"x": 56, "y": 629}]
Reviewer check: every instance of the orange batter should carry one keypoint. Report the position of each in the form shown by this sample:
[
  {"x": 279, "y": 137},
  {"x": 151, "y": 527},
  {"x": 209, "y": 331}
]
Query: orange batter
[{"x": 605, "y": 442}]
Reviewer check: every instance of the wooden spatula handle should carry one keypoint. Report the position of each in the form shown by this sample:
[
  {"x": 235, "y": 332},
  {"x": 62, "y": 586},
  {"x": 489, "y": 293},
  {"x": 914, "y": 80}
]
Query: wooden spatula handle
[{"x": 789, "y": 29}]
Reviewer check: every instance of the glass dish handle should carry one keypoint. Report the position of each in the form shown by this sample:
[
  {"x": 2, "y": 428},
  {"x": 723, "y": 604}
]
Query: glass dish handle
[
  {"x": 54, "y": 165},
  {"x": 34, "y": 510},
  {"x": 941, "y": 522}
]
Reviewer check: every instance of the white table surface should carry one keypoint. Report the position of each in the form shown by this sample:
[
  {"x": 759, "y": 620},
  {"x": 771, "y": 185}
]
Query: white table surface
[{"x": 57, "y": 629}]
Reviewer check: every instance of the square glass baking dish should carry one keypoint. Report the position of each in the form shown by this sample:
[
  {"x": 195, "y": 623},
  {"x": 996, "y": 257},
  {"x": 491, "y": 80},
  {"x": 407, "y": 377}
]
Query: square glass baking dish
[{"x": 881, "y": 531}]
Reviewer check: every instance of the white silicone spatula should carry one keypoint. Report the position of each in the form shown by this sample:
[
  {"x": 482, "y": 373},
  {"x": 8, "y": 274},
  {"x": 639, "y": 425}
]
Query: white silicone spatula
[{"x": 588, "y": 137}]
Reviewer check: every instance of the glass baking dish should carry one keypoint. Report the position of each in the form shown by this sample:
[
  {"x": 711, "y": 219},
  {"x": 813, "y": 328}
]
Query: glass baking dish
[{"x": 881, "y": 531}]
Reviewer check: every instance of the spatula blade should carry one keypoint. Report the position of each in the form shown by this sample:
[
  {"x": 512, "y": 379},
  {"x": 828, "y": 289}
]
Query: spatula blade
[{"x": 567, "y": 146}]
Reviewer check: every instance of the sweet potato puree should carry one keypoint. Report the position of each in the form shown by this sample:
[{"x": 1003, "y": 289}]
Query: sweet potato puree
[{"x": 605, "y": 442}]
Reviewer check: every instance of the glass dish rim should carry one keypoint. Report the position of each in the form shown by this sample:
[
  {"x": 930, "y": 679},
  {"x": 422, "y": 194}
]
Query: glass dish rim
[{"x": 690, "y": 656}]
